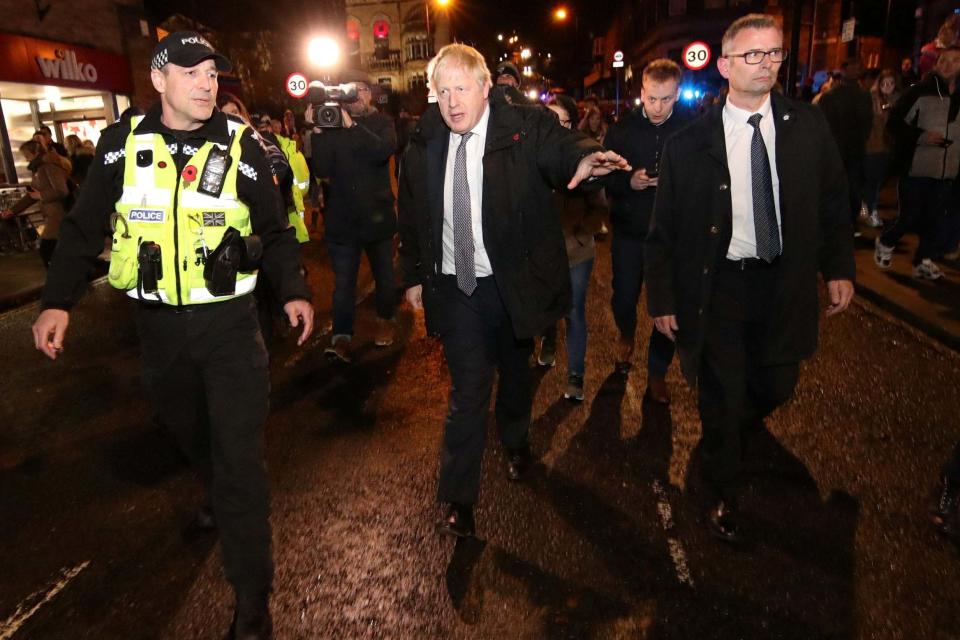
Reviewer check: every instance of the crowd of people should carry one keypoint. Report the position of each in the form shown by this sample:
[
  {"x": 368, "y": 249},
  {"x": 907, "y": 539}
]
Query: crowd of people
[{"x": 729, "y": 214}]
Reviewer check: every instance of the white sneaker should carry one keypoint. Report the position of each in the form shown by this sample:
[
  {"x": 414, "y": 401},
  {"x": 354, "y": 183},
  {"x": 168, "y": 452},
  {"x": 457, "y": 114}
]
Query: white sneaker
[
  {"x": 927, "y": 270},
  {"x": 882, "y": 254},
  {"x": 874, "y": 220}
]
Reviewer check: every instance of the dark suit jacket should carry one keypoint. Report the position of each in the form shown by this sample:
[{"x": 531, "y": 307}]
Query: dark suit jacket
[
  {"x": 527, "y": 153},
  {"x": 692, "y": 225}
]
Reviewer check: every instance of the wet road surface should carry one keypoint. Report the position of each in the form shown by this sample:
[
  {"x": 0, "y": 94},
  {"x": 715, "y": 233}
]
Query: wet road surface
[{"x": 605, "y": 539}]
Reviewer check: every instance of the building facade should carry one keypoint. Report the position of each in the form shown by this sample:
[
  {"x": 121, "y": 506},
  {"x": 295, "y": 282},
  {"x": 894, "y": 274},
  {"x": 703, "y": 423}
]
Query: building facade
[
  {"x": 68, "y": 65},
  {"x": 394, "y": 41}
]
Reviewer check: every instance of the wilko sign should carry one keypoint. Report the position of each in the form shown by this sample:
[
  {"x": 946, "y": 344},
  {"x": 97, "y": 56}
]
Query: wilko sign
[
  {"x": 43, "y": 62},
  {"x": 65, "y": 67}
]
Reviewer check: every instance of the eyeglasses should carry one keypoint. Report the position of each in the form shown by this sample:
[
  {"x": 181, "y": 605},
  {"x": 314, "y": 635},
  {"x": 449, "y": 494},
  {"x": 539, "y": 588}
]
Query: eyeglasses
[{"x": 756, "y": 56}]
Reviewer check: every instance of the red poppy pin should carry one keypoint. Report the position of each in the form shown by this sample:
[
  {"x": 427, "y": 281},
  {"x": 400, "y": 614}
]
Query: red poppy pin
[
  {"x": 189, "y": 173},
  {"x": 162, "y": 164},
  {"x": 516, "y": 137}
]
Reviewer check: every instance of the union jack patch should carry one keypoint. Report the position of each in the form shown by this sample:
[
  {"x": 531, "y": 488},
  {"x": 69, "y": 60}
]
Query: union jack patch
[{"x": 214, "y": 219}]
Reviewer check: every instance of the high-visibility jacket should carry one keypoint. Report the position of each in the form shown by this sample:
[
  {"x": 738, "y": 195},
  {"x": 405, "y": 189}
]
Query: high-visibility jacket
[
  {"x": 301, "y": 185},
  {"x": 162, "y": 205}
]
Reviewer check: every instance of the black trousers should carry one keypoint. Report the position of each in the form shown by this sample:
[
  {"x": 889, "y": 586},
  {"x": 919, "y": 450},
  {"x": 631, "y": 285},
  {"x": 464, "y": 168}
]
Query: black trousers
[
  {"x": 735, "y": 389},
  {"x": 952, "y": 468},
  {"x": 206, "y": 370},
  {"x": 478, "y": 343}
]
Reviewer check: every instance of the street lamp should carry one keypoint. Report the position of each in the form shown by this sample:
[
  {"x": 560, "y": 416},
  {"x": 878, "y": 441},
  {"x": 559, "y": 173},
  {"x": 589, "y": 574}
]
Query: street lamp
[
  {"x": 443, "y": 4},
  {"x": 323, "y": 52},
  {"x": 525, "y": 54},
  {"x": 560, "y": 14}
]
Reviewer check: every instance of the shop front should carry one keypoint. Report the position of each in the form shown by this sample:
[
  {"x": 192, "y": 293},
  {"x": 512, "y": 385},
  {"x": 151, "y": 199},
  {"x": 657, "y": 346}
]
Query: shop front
[{"x": 72, "y": 89}]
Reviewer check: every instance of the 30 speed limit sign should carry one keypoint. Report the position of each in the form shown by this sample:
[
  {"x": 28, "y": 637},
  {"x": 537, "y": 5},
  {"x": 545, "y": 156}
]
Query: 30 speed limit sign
[
  {"x": 296, "y": 85},
  {"x": 696, "y": 55}
]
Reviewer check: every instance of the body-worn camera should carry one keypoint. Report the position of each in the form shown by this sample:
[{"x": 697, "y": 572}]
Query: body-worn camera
[{"x": 326, "y": 102}]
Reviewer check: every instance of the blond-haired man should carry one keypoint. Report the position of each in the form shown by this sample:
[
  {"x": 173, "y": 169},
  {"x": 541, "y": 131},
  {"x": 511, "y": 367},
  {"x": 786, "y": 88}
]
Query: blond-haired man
[{"x": 482, "y": 252}]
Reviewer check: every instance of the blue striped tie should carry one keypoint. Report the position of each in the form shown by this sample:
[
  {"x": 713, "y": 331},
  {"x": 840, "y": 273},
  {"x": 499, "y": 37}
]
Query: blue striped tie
[{"x": 764, "y": 209}]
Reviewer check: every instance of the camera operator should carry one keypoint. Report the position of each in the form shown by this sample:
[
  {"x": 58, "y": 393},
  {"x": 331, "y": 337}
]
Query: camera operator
[{"x": 360, "y": 214}]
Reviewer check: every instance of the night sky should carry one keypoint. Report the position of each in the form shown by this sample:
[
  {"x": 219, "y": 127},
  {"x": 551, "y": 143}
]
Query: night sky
[{"x": 475, "y": 21}]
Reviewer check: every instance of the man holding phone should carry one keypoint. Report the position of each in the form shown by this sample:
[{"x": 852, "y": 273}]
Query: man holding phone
[
  {"x": 639, "y": 138},
  {"x": 924, "y": 123}
]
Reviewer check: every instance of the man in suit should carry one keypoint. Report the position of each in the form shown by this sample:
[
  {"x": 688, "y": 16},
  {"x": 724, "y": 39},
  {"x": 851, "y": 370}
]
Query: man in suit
[
  {"x": 482, "y": 252},
  {"x": 751, "y": 204}
]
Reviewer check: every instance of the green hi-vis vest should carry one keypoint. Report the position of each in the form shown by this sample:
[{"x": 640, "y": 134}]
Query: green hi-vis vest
[
  {"x": 301, "y": 184},
  {"x": 160, "y": 205}
]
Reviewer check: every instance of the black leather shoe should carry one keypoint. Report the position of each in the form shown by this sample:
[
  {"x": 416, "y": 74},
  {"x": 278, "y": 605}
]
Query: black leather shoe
[
  {"x": 722, "y": 522},
  {"x": 946, "y": 513},
  {"x": 204, "y": 520},
  {"x": 251, "y": 621},
  {"x": 458, "y": 522},
  {"x": 518, "y": 462},
  {"x": 202, "y": 524}
]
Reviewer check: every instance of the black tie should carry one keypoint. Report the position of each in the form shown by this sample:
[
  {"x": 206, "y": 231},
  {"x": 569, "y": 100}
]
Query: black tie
[
  {"x": 764, "y": 209},
  {"x": 463, "y": 247}
]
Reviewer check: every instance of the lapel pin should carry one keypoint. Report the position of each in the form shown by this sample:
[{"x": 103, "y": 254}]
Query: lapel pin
[
  {"x": 516, "y": 137},
  {"x": 786, "y": 116},
  {"x": 189, "y": 173},
  {"x": 162, "y": 164}
]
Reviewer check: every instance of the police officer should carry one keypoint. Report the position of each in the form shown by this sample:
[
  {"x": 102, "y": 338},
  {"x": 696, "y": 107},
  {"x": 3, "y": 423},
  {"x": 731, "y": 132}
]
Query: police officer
[{"x": 193, "y": 194}]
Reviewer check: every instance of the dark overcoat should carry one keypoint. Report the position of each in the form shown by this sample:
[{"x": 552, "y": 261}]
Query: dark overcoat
[
  {"x": 692, "y": 225},
  {"x": 527, "y": 153},
  {"x": 356, "y": 162}
]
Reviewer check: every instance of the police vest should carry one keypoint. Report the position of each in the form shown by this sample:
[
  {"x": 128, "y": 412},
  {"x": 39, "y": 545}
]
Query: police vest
[
  {"x": 300, "y": 187},
  {"x": 162, "y": 205}
]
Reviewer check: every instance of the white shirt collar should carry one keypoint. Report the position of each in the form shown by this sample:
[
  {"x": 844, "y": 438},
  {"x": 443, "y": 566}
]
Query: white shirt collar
[
  {"x": 480, "y": 129},
  {"x": 740, "y": 116}
]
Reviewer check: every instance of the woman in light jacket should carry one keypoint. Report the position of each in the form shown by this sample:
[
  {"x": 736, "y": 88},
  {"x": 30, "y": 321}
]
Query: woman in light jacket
[{"x": 50, "y": 187}]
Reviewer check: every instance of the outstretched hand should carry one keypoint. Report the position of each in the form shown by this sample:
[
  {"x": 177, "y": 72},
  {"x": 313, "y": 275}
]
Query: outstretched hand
[{"x": 598, "y": 163}]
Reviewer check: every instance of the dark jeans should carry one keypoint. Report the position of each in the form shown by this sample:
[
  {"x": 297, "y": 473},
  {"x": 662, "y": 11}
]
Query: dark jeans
[
  {"x": 576, "y": 319},
  {"x": 923, "y": 207},
  {"x": 345, "y": 259},
  {"x": 876, "y": 167},
  {"x": 854, "y": 170},
  {"x": 627, "y": 254},
  {"x": 735, "y": 390},
  {"x": 478, "y": 343},
  {"x": 206, "y": 370}
]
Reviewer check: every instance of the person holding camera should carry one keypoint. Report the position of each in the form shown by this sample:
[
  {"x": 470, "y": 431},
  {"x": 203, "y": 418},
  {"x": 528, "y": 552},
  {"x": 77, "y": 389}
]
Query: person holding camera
[
  {"x": 360, "y": 216},
  {"x": 196, "y": 210},
  {"x": 640, "y": 138},
  {"x": 924, "y": 124}
]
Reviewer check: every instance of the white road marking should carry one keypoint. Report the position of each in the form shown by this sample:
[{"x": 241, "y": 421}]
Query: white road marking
[
  {"x": 25, "y": 610},
  {"x": 677, "y": 553}
]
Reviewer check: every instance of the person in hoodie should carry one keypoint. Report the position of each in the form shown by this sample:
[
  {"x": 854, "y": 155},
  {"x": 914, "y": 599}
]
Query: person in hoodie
[
  {"x": 925, "y": 124},
  {"x": 51, "y": 188}
]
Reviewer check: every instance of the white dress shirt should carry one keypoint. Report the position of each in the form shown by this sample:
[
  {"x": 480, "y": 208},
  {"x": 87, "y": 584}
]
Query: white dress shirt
[
  {"x": 738, "y": 134},
  {"x": 474, "y": 159}
]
